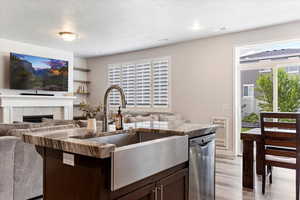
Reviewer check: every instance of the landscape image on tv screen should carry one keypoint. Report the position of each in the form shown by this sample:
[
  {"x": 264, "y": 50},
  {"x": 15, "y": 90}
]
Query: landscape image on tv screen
[{"x": 37, "y": 73}]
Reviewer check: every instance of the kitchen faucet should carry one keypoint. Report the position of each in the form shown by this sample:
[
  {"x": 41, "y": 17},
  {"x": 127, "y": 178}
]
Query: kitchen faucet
[{"x": 123, "y": 101}]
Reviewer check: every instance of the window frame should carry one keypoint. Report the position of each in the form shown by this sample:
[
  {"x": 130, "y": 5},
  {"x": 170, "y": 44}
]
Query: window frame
[
  {"x": 151, "y": 107},
  {"x": 252, "y": 92}
]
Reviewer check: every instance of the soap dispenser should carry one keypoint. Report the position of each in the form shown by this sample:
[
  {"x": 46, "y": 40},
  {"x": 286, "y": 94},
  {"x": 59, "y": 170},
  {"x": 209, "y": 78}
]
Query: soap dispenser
[{"x": 119, "y": 120}]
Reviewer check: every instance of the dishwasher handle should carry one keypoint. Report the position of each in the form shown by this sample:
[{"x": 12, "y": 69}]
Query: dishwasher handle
[{"x": 202, "y": 141}]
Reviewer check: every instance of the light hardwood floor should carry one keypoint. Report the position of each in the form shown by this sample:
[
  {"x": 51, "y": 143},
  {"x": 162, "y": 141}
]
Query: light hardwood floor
[{"x": 229, "y": 183}]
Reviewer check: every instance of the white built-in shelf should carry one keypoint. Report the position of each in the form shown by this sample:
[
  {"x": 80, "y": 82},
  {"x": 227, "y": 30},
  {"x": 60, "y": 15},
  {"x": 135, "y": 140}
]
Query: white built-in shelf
[
  {"x": 81, "y": 95},
  {"x": 81, "y": 69}
]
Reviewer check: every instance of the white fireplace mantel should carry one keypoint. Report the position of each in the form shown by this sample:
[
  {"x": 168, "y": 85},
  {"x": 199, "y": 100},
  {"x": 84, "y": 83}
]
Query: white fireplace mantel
[{"x": 8, "y": 102}]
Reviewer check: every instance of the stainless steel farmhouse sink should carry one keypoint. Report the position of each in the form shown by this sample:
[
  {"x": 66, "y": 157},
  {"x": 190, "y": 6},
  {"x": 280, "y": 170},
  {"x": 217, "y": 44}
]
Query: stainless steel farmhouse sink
[
  {"x": 140, "y": 155},
  {"x": 124, "y": 139}
]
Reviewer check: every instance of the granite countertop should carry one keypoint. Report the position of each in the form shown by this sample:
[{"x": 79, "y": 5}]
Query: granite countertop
[{"x": 73, "y": 140}]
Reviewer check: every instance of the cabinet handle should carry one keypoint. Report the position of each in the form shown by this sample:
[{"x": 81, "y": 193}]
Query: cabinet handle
[
  {"x": 155, "y": 193},
  {"x": 161, "y": 188}
]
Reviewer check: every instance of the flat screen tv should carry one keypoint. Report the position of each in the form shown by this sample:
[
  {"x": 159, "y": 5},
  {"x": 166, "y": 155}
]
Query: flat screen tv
[{"x": 37, "y": 73}]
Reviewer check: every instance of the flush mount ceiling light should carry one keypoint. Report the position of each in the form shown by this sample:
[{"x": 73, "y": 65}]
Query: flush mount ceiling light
[
  {"x": 67, "y": 36},
  {"x": 196, "y": 26}
]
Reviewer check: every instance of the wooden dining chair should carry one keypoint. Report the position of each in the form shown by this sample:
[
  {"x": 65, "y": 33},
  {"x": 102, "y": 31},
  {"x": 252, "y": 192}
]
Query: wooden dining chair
[{"x": 280, "y": 144}]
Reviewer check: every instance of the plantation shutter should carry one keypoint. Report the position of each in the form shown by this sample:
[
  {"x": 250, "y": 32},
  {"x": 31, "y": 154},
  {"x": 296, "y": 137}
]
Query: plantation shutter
[
  {"x": 114, "y": 78},
  {"x": 143, "y": 84},
  {"x": 128, "y": 83},
  {"x": 160, "y": 83}
]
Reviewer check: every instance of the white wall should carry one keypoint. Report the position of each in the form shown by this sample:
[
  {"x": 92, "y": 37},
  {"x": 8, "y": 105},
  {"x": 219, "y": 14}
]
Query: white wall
[
  {"x": 7, "y": 46},
  {"x": 202, "y": 72}
]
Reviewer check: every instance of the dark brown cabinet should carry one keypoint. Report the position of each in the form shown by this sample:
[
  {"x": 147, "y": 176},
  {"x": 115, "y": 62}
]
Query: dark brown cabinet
[
  {"x": 145, "y": 193},
  {"x": 174, "y": 187},
  {"x": 90, "y": 179}
]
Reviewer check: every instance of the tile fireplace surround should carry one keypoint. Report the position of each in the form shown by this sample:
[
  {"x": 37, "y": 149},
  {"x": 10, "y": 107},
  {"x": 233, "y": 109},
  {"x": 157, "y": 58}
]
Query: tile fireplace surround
[{"x": 14, "y": 107}]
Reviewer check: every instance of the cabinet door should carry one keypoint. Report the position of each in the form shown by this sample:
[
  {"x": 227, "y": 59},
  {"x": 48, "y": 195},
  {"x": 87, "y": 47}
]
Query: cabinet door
[
  {"x": 174, "y": 187},
  {"x": 145, "y": 193}
]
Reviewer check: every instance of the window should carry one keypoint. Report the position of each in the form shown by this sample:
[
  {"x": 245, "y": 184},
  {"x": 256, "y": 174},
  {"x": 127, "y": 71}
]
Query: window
[
  {"x": 292, "y": 70},
  {"x": 145, "y": 84},
  {"x": 248, "y": 90}
]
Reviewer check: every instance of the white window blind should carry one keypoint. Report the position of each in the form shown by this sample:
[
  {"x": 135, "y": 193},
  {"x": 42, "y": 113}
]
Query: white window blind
[
  {"x": 143, "y": 84},
  {"x": 160, "y": 83},
  {"x": 128, "y": 83},
  {"x": 114, "y": 78}
]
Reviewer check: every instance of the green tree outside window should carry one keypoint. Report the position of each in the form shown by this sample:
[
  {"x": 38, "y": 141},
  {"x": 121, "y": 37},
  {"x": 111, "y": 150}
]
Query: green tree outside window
[{"x": 288, "y": 91}]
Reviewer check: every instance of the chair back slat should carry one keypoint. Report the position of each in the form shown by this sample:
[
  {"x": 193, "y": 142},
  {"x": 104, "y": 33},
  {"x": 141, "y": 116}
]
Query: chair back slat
[
  {"x": 286, "y": 115},
  {"x": 280, "y": 135},
  {"x": 287, "y": 125},
  {"x": 280, "y": 143},
  {"x": 280, "y": 152}
]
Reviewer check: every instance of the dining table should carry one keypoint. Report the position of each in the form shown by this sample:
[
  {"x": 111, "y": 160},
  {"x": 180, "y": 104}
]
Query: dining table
[{"x": 251, "y": 138}]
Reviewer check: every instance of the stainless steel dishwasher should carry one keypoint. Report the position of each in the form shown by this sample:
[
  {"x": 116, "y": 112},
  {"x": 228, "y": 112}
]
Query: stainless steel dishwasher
[{"x": 202, "y": 168}]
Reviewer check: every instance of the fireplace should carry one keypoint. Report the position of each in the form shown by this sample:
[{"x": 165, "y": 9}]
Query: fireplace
[
  {"x": 14, "y": 107},
  {"x": 36, "y": 118}
]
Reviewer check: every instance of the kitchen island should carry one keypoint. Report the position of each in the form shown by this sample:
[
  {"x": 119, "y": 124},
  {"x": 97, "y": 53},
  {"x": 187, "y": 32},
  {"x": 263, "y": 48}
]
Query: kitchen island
[{"x": 148, "y": 160}]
